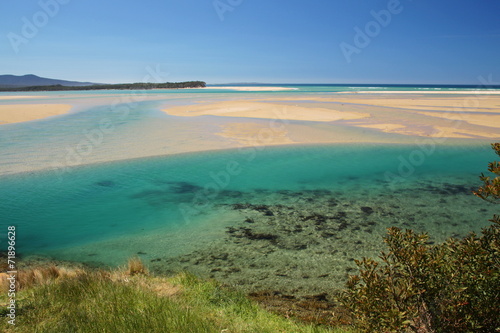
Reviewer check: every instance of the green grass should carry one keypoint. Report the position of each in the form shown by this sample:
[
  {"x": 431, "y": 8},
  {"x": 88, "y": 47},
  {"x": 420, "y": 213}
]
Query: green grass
[{"x": 116, "y": 302}]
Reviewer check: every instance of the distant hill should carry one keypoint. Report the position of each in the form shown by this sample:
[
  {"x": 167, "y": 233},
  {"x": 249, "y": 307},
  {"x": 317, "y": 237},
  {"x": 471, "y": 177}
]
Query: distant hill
[{"x": 14, "y": 81}]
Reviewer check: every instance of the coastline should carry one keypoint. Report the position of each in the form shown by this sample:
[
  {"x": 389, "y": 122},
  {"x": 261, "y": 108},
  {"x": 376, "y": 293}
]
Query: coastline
[
  {"x": 464, "y": 92},
  {"x": 2, "y": 97},
  {"x": 332, "y": 108},
  {"x": 223, "y": 121},
  {"x": 435, "y": 117}
]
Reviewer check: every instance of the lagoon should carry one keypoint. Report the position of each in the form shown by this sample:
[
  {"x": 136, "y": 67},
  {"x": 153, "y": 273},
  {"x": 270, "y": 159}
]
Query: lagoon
[{"x": 181, "y": 197}]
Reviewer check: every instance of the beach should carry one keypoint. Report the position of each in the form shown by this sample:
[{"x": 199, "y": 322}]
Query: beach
[
  {"x": 16, "y": 113},
  {"x": 475, "y": 116},
  {"x": 14, "y": 97},
  {"x": 249, "y": 109}
]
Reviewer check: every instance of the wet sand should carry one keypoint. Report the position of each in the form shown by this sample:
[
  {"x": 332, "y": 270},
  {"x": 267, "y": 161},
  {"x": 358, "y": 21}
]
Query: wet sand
[
  {"x": 16, "y": 113},
  {"x": 407, "y": 114},
  {"x": 19, "y": 97},
  {"x": 249, "y": 109}
]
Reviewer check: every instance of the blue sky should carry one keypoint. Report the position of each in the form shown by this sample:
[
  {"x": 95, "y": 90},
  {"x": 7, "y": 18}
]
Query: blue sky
[{"x": 270, "y": 41}]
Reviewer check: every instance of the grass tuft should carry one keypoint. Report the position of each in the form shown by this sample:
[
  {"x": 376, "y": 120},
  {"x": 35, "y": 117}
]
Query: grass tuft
[
  {"x": 131, "y": 301},
  {"x": 40, "y": 275},
  {"x": 135, "y": 266}
]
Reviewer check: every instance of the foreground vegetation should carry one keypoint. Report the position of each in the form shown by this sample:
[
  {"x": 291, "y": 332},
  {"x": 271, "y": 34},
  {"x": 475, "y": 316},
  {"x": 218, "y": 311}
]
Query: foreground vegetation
[
  {"x": 122, "y": 86},
  {"x": 55, "y": 300},
  {"x": 450, "y": 287}
]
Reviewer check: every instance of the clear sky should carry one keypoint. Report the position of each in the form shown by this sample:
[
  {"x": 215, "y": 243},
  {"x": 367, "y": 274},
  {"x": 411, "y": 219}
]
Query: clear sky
[{"x": 269, "y": 41}]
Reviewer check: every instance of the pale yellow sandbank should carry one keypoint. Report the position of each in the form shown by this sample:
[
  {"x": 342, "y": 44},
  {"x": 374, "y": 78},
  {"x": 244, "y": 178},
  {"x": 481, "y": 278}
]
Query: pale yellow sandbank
[
  {"x": 489, "y": 120},
  {"x": 251, "y": 109},
  {"x": 20, "y": 97},
  {"x": 482, "y": 103},
  {"x": 456, "y": 117},
  {"x": 16, "y": 113},
  {"x": 460, "y": 130},
  {"x": 253, "y": 88},
  {"x": 472, "y": 117},
  {"x": 459, "y": 116},
  {"x": 266, "y": 124},
  {"x": 460, "y": 92},
  {"x": 476, "y": 103},
  {"x": 252, "y": 133}
]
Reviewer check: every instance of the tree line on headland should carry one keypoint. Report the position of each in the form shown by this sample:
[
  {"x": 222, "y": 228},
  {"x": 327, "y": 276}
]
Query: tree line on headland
[{"x": 120, "y": 86}]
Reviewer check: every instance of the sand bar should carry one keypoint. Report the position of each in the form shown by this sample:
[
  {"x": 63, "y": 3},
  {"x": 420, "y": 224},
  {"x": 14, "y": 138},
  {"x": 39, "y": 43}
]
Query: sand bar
[
  {"x": 16, "y": 113},
  {"x": 418, "y": 116},
  {"x": 443, "y": 129},
  {"x": 250, "y": 133},
  {"x": 384, "y": 127},
  {"x": 20, "y": 97},
  {"x": 458, "y": 92},
  {"x": 476, "y": 119},
  {"x": 250, "y": 109},
  {"x": 482, "y": 103}
]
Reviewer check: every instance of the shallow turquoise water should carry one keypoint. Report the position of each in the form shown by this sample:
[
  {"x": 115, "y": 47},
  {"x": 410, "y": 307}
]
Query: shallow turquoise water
[
  {"x": 110, "y": 200},
  {"x": 182, "y": 199}
]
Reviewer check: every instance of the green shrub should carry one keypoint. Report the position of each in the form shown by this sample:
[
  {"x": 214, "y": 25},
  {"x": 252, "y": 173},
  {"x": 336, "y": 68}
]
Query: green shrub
[
  {"x": 490, "y": 191},
  {"x": 450, "y": 287}
]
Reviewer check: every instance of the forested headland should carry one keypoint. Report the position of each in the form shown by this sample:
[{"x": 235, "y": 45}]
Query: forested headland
[{"x": 120, "y": 86}]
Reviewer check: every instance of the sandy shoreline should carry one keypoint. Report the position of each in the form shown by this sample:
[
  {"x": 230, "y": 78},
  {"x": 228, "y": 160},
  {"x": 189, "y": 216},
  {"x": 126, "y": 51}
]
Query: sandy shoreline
[
  {"x": 17, "y": 113},
  {"x": 461, "y": 92},
  {"x": 404, "y": 114},
  {"x": 216, "y": 122},
  {"x": 434, "y": 116},
  {"x": 19, "y": 97},
  {"x": 250, "y": 109}
]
